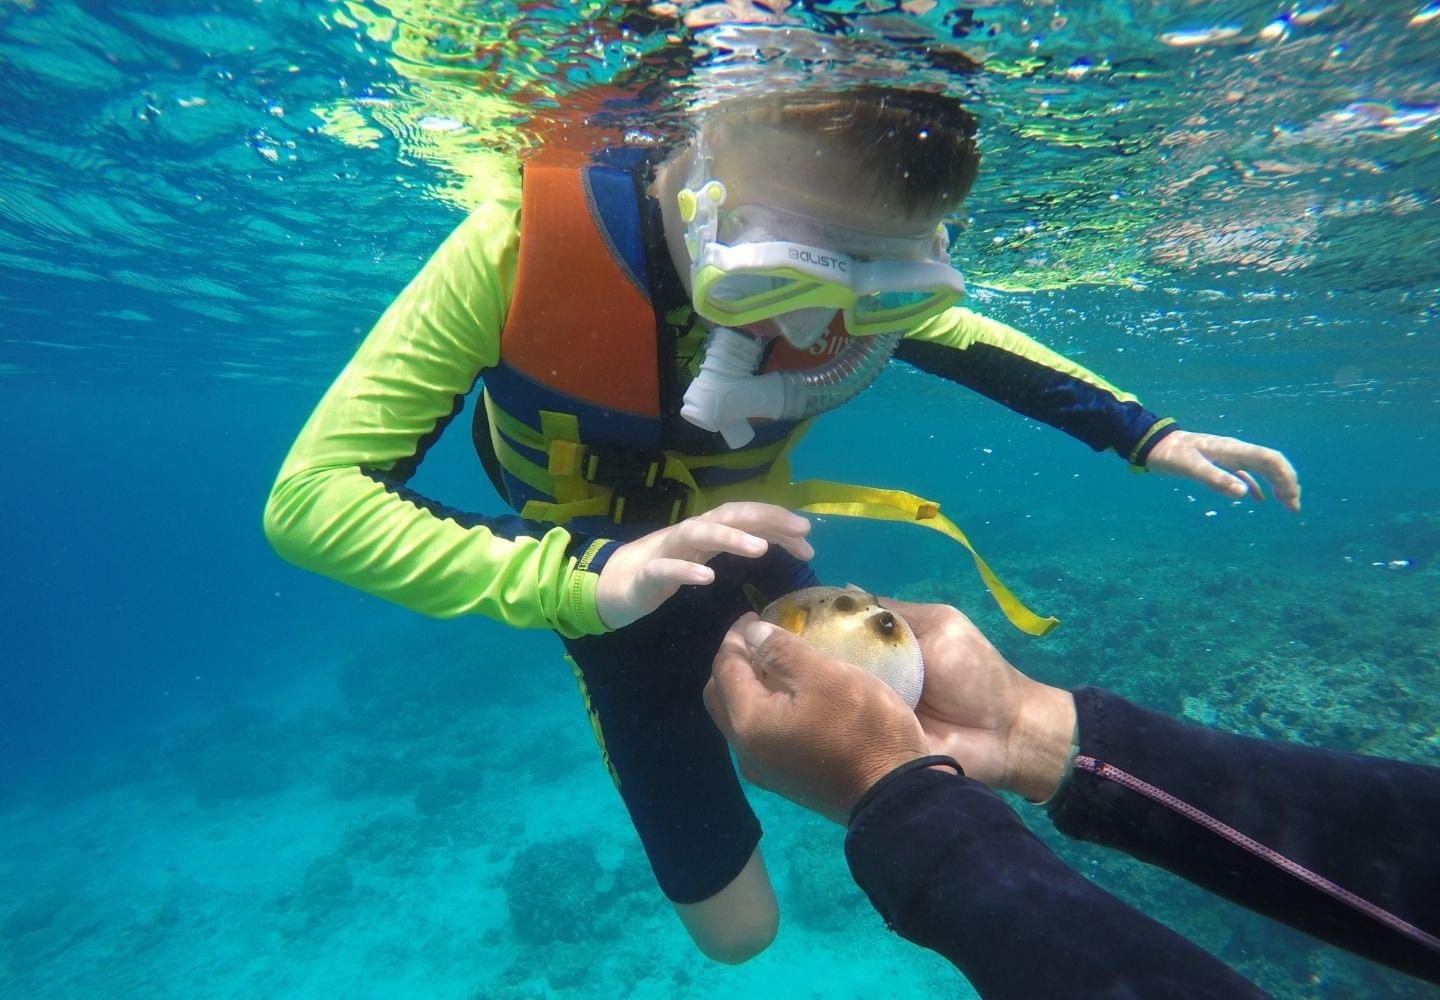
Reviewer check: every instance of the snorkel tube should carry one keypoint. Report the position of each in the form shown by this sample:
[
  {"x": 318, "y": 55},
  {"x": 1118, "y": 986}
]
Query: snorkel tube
[{"x": 727, "y": 393}]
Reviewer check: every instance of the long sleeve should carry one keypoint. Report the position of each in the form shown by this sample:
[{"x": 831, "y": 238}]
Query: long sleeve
[
  {"x": 1370, "y": 825},
  {"x": 1003, "y": 364},
  {"x": 951, "y": 868},
  {"x": 340, "y": 505}
]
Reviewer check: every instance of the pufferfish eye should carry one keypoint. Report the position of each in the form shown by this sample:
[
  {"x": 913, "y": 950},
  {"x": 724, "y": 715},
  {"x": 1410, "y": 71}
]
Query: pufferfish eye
[
  {"x": 844, "y": 603},
  {"x": 885, "y": 624}
]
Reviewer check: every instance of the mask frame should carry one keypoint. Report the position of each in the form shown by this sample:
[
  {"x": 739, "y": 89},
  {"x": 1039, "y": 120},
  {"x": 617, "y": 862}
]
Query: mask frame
[{"x": 749, "y": 280}]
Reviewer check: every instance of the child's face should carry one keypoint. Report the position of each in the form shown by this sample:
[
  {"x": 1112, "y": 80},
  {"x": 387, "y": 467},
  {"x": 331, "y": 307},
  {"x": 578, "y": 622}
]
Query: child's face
[
  {"x": 789, "y": 192},
  {"x": 805, "y": 175},
  {"x": 808, "y": 175}
]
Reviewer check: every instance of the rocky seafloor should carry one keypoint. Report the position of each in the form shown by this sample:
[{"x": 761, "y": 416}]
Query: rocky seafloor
[{"x": 428, "y": 816}]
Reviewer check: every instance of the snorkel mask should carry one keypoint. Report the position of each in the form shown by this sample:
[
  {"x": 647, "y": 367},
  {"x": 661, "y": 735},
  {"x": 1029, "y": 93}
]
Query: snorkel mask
[
  {"x": 756, "y": 262},
  {"x": 743, "y": 270}
]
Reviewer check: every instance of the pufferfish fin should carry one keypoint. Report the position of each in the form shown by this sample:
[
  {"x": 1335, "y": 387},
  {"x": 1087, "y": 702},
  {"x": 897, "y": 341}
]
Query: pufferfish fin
[
  {"x": 756, "y": 597},
  {"x": 793, "y": 619},
  {"x": 869, "y": 597}
]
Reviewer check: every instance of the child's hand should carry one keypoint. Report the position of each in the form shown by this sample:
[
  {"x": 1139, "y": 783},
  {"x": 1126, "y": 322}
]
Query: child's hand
[
  {"x": 1226, "y": 464},
  {"x": 641, "y": 575}
]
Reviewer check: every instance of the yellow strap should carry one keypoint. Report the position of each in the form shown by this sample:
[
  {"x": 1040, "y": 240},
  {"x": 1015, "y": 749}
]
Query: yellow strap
[
  {"x": 560, "y": 478},
  {"x": 523, "y": 434},
  {"x": 515, "y": 430},
  {"x": 745, "y": 458},
  {"x": 598, "y": 503},
  {"x": 813, "y": 496},
  {"x": 558, "y": 427},
  {"x": 818, "y": 496},
  {"x": 560, "y": 513},
  {"x": 521, "y": 467}
]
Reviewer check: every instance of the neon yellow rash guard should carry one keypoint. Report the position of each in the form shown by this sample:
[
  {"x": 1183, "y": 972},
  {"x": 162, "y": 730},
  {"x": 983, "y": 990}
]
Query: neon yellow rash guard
[
  {"x": 339, "y": 505},
  {"x": 331, "y": 513}
]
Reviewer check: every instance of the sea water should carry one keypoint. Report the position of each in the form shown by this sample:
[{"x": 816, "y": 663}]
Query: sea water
[{"x": 223, "y": 777}]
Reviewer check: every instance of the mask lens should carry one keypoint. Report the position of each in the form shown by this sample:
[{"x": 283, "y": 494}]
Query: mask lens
[
  {"x": 884, "y": 312},
  {"x": 735, "y": 288},
  {"x": 887, "y": 302},
  {"x": 747, "y": 297}
]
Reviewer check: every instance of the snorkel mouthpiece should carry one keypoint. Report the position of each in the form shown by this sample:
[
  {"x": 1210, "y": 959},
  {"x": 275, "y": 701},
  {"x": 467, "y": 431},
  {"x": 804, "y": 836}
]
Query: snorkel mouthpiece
[{"x": 727, "y": 393}]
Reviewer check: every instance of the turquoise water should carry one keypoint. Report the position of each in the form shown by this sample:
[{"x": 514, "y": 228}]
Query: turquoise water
[{"x": 220, "y": 776}]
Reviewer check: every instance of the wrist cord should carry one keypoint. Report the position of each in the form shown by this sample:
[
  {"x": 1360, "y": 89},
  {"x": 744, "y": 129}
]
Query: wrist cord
[{"x": 918, "y": 764}]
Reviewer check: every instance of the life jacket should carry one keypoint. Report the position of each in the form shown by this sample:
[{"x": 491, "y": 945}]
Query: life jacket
[{"x": 573, "y": 423}]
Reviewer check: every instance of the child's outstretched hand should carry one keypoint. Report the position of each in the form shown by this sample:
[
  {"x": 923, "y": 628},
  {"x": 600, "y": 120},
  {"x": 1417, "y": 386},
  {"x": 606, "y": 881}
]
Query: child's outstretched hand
[
  {"x": 1227, "y": 466},
  {"x": 641, "y": 575}
]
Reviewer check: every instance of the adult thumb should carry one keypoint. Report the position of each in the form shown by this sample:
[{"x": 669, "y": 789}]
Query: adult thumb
[
  {"x": 757, "y": 633},
  {"x": 776, "y": 651}
]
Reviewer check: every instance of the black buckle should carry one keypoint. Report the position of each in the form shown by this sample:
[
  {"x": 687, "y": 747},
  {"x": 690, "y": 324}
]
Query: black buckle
[
  {"x": 627, "y": 467},
  {"x": 666, "y": 502}
]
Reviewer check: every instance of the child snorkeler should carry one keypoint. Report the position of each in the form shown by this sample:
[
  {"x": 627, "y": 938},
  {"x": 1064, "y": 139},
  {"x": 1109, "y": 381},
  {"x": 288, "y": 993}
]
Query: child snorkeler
[{"x": 653, "y": 329}]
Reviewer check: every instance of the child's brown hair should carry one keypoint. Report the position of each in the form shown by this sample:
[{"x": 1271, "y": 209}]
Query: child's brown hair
[{"x": 919, "y": 147}]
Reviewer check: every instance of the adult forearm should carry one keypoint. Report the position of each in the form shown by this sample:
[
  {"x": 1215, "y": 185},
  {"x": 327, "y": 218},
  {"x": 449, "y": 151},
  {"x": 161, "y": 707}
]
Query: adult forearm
[
  {"x": 951, "y": 868},
  {"x": 1364, "y": 823}
]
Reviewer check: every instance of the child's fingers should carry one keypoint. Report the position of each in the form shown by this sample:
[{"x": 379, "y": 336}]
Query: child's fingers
[
  {"x": 1207, "y": 472},
  {"x": 1255, "y": 489}
]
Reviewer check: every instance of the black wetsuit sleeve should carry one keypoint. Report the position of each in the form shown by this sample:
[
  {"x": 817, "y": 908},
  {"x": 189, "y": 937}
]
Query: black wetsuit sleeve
[
  {"x": 951, "y": 868},
  {"x": 1005, "y": 365},
  {"x": 1370, "y": 825}
]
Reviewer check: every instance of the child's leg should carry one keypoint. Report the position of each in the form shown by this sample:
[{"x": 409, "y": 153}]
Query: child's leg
[
  {"x": 739, "y": 921},
  {"x": 643, "y": 688}
]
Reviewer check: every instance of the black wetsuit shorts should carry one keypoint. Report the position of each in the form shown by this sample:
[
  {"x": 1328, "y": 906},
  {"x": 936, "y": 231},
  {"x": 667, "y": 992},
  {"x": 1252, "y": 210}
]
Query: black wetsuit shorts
[{"x": 643, "y": 687}]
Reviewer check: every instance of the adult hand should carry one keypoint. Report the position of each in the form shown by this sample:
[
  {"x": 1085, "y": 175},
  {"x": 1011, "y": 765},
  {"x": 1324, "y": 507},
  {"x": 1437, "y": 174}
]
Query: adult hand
[
  {"x": 641, "y": 575},
  {"x": 813, "y": 729},
  {"x": 1227, "y": 465},
  {"x": 1005, "y": 729}
]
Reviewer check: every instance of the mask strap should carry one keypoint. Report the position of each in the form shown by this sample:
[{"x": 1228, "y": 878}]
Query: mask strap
[{"x": 700, "y": 202}]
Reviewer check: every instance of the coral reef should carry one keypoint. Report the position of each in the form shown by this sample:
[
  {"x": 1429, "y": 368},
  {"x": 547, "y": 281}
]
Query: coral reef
[
  {"x": 45, "y": 924},
  {"x": 35, "y": 913},
  {"x": 820, "y": 892},
  {"x": 435, "y": 676},
  {"x": 1341, "y": 658},
  {"x": 327, "y": 883},
  {"x": 393, "y": 843},
  {"x": 447, "y": 789},
  {"x": 242, "y": 753},
  {"x": 550, "y": 892}
]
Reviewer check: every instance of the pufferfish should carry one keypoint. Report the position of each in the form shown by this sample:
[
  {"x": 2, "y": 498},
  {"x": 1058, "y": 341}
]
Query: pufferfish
[{"x": 849, "y": 624}]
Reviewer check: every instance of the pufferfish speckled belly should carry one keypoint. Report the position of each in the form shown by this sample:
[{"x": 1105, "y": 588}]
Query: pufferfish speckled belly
[{"x": 850, "y": 625}]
